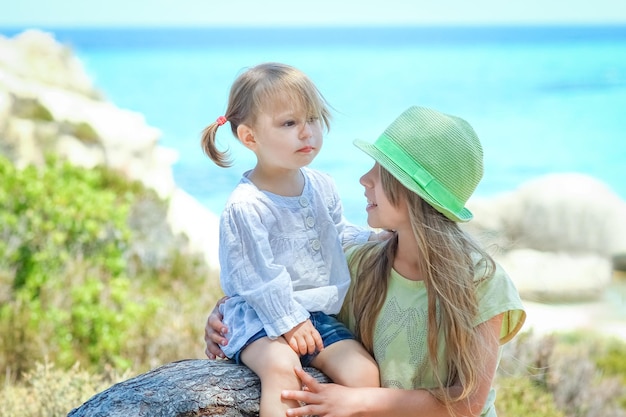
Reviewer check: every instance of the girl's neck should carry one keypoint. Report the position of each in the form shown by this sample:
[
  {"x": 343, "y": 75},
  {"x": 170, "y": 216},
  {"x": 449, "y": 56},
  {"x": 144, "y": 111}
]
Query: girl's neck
[
  {"x": 287, "y": 183},
  {"x": 407, "y": 259}
]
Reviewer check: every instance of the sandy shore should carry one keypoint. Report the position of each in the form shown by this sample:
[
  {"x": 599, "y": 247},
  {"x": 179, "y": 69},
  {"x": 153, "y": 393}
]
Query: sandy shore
[{"x": 603, "y": 317}]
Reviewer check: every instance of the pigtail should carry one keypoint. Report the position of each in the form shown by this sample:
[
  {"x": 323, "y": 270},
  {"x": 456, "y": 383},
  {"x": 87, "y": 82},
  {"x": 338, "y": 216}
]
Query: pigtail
[{"x": 221, "y": 158}]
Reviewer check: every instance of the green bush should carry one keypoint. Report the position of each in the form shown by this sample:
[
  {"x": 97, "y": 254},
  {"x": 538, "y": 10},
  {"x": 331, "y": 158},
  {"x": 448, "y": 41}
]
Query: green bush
[
  {"x": 520, "y": 396},
  {"x": 612, "y": 363},
  {"x": 612, "y": 359},
  {"x": 63, "y": 238},
  {"x": 568, "y": 368}
]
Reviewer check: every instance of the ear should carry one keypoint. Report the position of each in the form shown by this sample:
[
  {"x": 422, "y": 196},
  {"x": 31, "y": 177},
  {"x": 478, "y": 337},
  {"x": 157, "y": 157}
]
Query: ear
[{"x": 246, "y": 136}]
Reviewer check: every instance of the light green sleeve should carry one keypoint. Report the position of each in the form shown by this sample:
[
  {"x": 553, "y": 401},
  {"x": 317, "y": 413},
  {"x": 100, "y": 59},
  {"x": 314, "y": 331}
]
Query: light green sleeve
[{"x": 498, "y": 295}]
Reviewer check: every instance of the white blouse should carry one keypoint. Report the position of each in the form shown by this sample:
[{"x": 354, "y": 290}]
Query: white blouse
[{"x": 282, "y": 257}]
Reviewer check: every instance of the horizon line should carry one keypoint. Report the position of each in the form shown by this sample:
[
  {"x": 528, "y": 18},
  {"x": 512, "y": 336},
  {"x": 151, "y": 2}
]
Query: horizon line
[{"x": 181, "y": 26}]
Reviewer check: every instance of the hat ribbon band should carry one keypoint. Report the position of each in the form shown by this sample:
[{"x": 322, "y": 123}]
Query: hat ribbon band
[{"x": 420, "y": 175}]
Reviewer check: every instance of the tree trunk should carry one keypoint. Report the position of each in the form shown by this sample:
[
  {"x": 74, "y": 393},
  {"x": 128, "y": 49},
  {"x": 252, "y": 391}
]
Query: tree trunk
[{"x": 193, "y": 387}]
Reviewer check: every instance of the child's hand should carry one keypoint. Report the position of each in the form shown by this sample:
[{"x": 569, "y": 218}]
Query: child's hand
[{"x": 304, "y": 338}]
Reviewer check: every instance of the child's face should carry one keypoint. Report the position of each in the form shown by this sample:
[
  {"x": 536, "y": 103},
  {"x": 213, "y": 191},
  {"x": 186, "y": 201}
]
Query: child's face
[
  {"x": 380, "y": 212},
  {"x": 287, "y": 137}
]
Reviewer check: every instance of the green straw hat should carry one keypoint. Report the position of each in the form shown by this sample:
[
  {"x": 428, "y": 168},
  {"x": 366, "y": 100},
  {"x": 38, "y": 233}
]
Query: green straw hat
[{"x": 435, "y": 155}]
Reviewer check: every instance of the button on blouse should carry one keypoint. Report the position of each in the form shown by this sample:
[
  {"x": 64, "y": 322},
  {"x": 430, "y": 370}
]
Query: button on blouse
[{"x": 310, "y": 221}]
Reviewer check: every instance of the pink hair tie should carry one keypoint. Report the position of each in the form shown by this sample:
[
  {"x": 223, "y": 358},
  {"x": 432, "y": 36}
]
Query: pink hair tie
[{"x": 221, "y": 120}]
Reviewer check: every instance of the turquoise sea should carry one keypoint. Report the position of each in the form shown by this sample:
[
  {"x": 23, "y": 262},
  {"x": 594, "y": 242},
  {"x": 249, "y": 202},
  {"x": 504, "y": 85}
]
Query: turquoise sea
[{"x": 542, "y": 99}]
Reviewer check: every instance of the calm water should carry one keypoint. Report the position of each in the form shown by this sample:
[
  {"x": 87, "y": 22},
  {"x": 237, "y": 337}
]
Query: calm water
[{"x": 541, "y": 99}]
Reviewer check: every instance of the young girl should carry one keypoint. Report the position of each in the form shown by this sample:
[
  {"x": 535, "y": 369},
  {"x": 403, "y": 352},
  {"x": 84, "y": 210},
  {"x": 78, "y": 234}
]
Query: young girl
[
  {"x": 281, "y": 236},
  {"x": 429, "y": 303}
]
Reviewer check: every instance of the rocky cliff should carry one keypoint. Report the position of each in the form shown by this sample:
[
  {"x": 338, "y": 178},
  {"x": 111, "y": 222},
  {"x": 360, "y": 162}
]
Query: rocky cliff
[{"x": 49, "y": 104}]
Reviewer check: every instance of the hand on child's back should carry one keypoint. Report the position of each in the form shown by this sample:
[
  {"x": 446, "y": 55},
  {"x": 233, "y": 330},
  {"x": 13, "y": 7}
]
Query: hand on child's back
[{"x": 304, "y": 339}]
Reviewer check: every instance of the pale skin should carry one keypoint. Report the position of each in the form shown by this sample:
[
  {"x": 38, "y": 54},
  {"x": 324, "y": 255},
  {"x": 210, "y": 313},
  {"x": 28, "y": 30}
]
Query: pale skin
[
  {"x": 285, "y": 140},
  {"x": 322, "y": 399}
]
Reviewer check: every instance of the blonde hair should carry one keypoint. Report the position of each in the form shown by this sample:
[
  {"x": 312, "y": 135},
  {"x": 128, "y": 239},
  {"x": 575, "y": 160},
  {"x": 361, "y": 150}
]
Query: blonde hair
[
  {"x": 261, "y": 86},
  {"x": 448, "y": 263}
]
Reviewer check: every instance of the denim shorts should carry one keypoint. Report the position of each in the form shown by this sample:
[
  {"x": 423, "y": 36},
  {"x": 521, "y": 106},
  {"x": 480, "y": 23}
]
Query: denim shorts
[{"x": 331, "y": 330}]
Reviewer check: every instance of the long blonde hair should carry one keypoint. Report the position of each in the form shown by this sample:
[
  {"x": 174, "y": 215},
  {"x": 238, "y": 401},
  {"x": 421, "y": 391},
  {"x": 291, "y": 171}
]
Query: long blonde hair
[
  {"x": 448, "y": 263},
  {"x": 256, "y": 89}
]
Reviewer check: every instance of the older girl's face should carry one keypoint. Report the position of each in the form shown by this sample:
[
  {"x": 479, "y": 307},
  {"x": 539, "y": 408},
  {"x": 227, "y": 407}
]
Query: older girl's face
[{"x": 381, "y": 213}]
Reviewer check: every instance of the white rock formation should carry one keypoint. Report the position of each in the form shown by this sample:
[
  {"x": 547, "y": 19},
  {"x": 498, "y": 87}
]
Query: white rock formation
[
  {"x": 556, "y": 234},
  {"x": 36, "y": 69}
]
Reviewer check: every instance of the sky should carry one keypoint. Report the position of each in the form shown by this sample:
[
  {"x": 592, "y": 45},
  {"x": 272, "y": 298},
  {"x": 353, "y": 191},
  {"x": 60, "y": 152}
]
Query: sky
[{"x": 81, "y": 13}]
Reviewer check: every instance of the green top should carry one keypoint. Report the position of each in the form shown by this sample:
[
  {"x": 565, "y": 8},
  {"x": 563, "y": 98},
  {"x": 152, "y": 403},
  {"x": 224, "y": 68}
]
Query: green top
[{"x": 400, "y": 335}]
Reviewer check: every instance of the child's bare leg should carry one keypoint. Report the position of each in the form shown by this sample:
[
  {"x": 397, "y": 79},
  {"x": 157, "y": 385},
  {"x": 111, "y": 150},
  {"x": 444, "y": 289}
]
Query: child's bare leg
[
  {"x": 347, "y": 363},
  {"x": 273, "y": 361}
]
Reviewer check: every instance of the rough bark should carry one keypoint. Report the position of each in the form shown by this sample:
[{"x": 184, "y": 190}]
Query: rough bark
[{"x": 187, "y": 388}]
